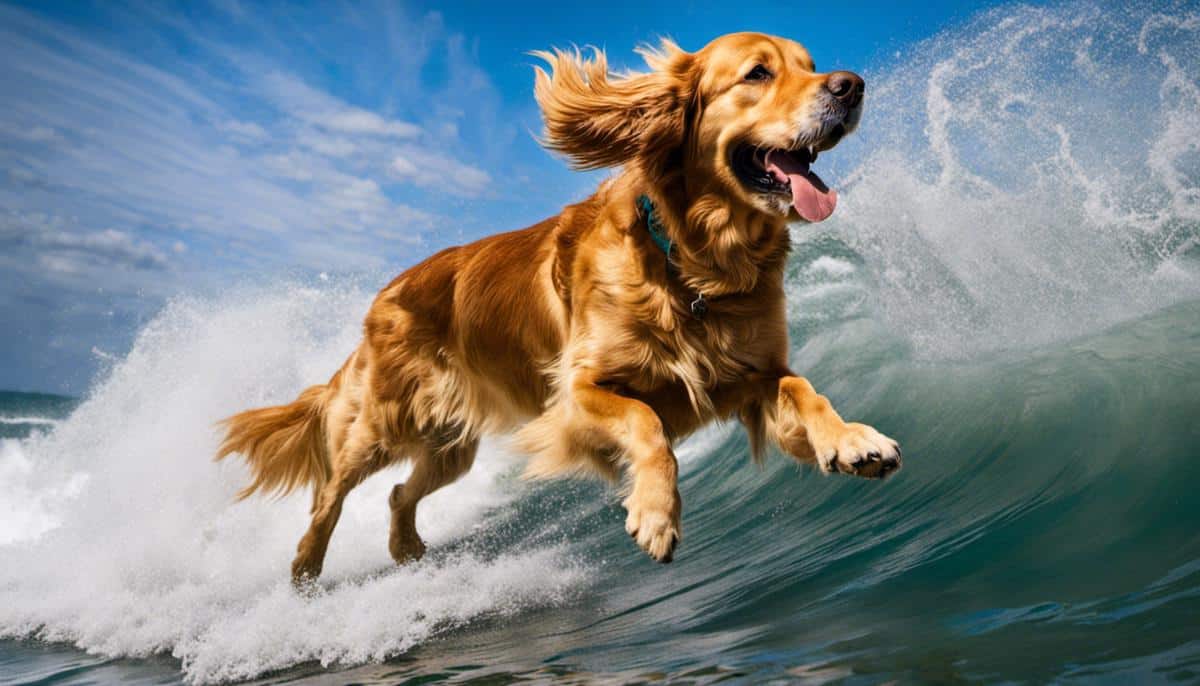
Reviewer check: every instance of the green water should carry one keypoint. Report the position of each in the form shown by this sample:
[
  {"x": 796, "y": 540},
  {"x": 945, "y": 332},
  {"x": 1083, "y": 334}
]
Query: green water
[
  {"x": 1045, "y": 527},
  {"x": 22, "y": 413},
  {"x": 1010, "y": 287}
]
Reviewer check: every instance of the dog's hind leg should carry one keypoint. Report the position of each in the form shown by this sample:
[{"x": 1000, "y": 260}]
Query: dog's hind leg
[
  {"x": 597, "y": 424},
  {"x": 434, "y": 467},
  {"x": 360, "y": 456}
]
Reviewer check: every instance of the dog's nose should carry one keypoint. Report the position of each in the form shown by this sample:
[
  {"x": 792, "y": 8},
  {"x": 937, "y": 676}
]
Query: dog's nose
[{"x": 846, "y": 86}]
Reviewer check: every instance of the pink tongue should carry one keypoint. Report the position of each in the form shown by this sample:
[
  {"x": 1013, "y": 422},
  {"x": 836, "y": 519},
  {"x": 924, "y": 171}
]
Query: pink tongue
[{"x": 813, "y": 200}]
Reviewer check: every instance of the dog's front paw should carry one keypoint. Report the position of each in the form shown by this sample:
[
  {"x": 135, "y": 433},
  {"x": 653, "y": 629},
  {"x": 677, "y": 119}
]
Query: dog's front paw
[
  {"x": 305, "y": 571},
  {"x": 653, "y": 522},
  {"x": 856, "y": 449}
]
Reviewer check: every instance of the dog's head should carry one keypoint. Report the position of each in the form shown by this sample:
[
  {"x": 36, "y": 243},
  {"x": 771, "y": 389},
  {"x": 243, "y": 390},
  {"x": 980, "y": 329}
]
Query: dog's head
[{"x": 746, "y": 115}]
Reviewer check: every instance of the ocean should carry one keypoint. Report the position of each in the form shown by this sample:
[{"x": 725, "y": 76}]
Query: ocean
[{"x": 1010, "y": 287}]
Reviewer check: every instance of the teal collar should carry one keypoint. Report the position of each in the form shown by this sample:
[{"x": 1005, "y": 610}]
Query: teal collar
[{"x": 658, "y": 233}]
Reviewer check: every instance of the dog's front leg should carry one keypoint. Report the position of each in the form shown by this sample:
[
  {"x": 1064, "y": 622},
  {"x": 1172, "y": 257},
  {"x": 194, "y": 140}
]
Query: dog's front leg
[
  {"x": 808, "y": 428},
  {"x": 653, "y": 504}
]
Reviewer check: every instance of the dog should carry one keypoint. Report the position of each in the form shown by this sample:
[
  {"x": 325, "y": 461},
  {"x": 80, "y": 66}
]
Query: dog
[{"x": 602, "y": 335}]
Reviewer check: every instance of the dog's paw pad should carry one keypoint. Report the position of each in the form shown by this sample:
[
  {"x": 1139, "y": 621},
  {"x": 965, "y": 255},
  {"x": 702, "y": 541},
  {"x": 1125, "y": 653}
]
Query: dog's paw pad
[
  {"x": 862, "y": 451},
  {"x": 655, "y": 532}
]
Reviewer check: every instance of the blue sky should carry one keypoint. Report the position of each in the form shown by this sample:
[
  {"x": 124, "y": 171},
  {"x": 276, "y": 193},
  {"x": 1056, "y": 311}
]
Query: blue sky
[{"x": 155, "y": 149}]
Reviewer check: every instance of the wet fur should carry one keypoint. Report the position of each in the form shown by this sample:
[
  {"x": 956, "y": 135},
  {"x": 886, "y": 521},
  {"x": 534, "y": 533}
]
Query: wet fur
[{"x": 573, "y": 332}]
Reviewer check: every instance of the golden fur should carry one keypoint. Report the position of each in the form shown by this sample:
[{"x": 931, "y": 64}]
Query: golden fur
[{"x": 575, "y": 332}]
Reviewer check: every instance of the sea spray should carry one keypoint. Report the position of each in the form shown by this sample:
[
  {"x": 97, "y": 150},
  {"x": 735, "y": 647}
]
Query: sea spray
[
  {"x": 995, "y": 291},
  {"x": 1028, "y": 178},
  {"x": 133, "y": 544}
]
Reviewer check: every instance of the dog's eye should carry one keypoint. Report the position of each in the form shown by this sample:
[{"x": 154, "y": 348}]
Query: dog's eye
[{"x": 759, "y": 73}]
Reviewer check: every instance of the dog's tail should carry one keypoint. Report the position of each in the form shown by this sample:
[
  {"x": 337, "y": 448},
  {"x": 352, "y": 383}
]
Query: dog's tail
[{"x": 284, "y": 445}]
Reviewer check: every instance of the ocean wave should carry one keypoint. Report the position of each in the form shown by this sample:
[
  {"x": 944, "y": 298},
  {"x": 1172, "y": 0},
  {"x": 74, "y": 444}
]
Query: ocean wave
[
  {"x": 32, "y": 421},
  {"x": 1009, "y": 288},
  {"x": 172, "y": 564}
]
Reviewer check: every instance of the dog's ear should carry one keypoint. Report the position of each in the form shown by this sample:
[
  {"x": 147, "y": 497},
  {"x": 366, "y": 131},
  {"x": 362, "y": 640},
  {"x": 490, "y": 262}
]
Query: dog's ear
[{"x": 598, "y": 120}]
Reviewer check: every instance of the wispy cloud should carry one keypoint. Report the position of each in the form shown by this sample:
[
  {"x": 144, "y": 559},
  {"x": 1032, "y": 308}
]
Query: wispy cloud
[
  {"x": 245, "y": 131},
  {"x": 117, "y": 163},
  {"x": 62, "y": 247},
  {"x": 295, "y": 98},
  {"x": 356, "y": 121},
  {"x": 429, "y": 169}
]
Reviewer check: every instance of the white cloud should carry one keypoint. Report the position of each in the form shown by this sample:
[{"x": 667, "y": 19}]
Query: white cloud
[
  {"x": 61, "y": 245},
  {"x": 109, "y": 246},
  {"x": 362, "y": 197},
  {"x": 42, "y": 134},
  {"x": 293, "y": 165},
  {"x": 29, "y": 132},
  {"x": 58, "y": 263},
  {"x": 429, "y": 169},
  {"x": 245, "y": 130},
  {"x": 330, "y": 146},
  {"x": 130, "y": 176},
  {"x": 352, "y": 120},
  {"x": 136, "y": 157},
  {"x": 295, "y": 98}
]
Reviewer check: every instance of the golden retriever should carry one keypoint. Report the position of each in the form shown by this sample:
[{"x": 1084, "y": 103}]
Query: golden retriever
[{"x": 606, "y": 333}]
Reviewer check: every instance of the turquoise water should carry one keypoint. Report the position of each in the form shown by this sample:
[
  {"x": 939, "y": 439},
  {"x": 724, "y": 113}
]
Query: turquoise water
[
  {"x": 1010, "y": 287},
  {"x": 1046, "y": 527},
  {"x": 23, "y": 413}
]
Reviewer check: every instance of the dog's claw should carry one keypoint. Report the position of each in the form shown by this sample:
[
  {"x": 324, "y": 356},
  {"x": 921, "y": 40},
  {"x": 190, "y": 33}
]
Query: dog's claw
[
  {"x": 654, "y": 530},
  {"x": 670, "y": 556},
  {"x": 862, "y": 451}
]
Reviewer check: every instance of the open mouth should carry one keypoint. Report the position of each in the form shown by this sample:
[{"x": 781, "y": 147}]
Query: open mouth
[{"x": 786, "y": 172}]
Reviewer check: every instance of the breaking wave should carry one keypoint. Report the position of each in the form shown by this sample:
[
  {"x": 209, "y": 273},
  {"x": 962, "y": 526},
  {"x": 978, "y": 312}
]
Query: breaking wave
[{"x": 1010, "y": 288}]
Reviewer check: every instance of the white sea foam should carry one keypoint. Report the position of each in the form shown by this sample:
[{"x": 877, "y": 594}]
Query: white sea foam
[
  {"x": 27, "y": 511},
  {"x": 826, "y": 265},
  {"x": 692, "y": 451},
  {"x": 1030, "y": 177},
  {"x": 123, "y": 538},
  {"x": 35, "y": 421}
]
